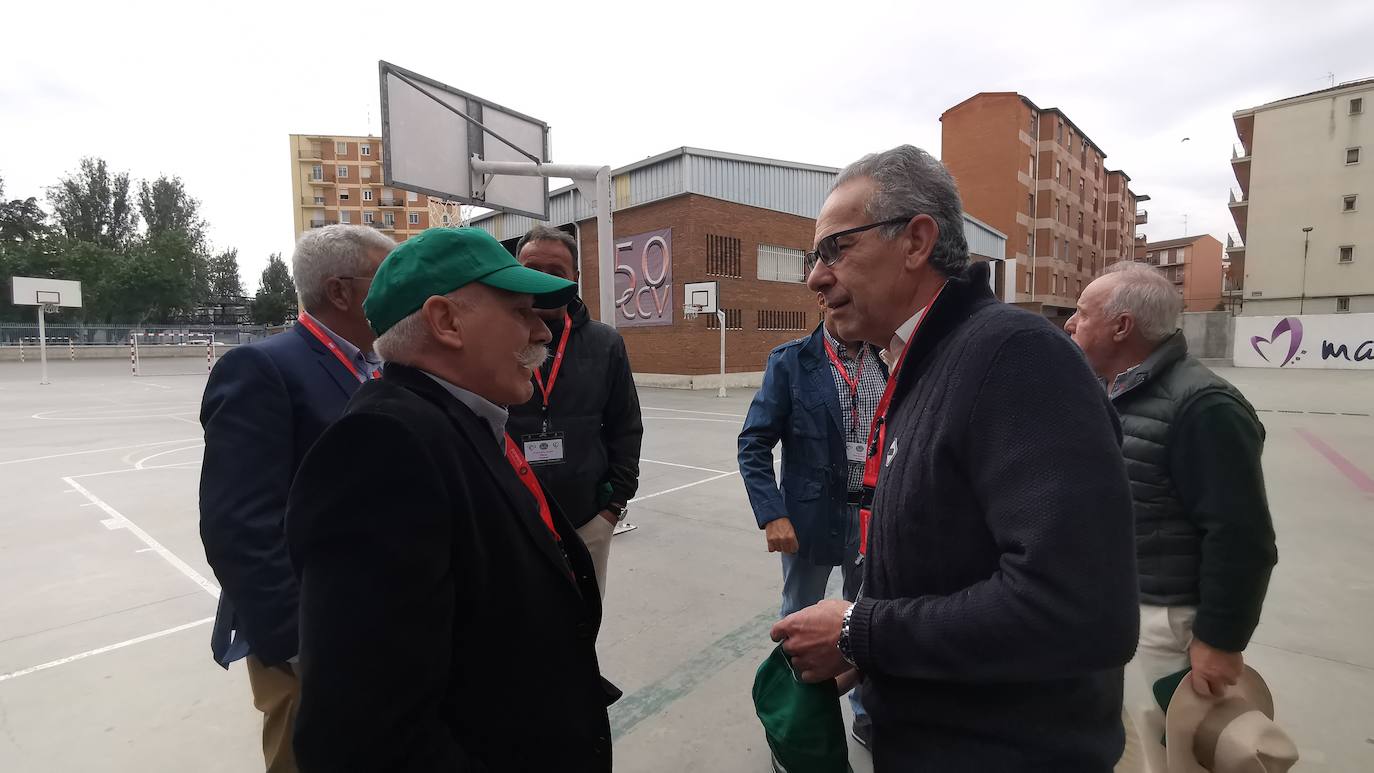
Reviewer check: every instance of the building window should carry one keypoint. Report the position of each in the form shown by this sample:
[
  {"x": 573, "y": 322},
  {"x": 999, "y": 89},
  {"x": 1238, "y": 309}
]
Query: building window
[
  {"x": 1343, "y": 304},
  {"x": 366, "y": 172},
  {"x": 1034, "y": 133},
  {"x": 1058, "y": 171},
  {"x": 412, "y": 196},
  {"x": 367, "y": 194},
  {"x": 340, "y": 148},
  {"x": 1352, "y": 156},
  {"x": 1030, "y": 205},
  {"x": 734, "y": 320},
  {"x": 317, "y": 172},
  {"x": 1348, "y": 203},
  {"x": 1347, "y": 254},
  {"x": 389, "y": 218},
  {"x": 345, "y": 194},
  {"x": 367, "y": 218},
  {"x": 1028, "y": 282},
  {"x": 1356, "y": 105},
  {"x": 366, "y": 150},
  {"x": 782, "y": 320},
  {"x": 341, "y": 172},
  {"x": 723, "y": 256},
  {"x": 1080, "y": 187},
  {"x": 345, "y": 218},
  {"x": 779, "y": 264},
  {"x": 414, "y": 218},
  {"x": 1030, "y": 167}
]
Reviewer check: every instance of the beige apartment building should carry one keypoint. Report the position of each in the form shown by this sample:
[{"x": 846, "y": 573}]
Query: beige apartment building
[
  {"x": 338, "y": 179},
  {"x": 1305, "y": 209}
]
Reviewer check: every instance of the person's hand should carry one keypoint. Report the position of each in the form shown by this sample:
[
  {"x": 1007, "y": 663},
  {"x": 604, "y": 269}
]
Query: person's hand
[
  {"x": 847, "y": 681},
  {"x": 610, "y": 517},
  {"x": 811, "y": 638},
  {"x": 782, "y": 538},
  {"x": 1213, "y": 670}
]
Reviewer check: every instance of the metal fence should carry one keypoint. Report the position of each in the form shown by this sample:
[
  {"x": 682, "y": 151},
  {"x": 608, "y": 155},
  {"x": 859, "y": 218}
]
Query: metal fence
[{"x": 104, "y": 335}]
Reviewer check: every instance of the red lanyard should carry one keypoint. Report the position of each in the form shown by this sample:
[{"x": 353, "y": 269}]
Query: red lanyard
[
  {"x": 553, "y": 371},
  {"x": 853, "y": 383},
  {"x": 522, "y": 469},
  {"x": 329, "y": 344},
  {"x": 878, "y": 434}
]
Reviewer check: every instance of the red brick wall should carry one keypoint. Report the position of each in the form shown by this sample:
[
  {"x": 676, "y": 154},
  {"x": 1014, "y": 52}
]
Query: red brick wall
[{"x": 689, "y": 347}]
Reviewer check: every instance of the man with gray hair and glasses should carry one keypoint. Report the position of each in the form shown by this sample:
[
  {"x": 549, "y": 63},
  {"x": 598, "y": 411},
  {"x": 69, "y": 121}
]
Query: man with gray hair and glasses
[
  {"x": 264, "y": 405},
  {"x": 998, "y": 604},
  {"x": 1204, "y": 537}
]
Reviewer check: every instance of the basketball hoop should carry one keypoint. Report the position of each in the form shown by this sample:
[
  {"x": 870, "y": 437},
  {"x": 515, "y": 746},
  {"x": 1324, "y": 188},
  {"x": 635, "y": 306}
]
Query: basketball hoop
[
  {"x": 691, "y": 310},
  {"x": 447, "y": 214},
  {"x": 49, "y": 308}
]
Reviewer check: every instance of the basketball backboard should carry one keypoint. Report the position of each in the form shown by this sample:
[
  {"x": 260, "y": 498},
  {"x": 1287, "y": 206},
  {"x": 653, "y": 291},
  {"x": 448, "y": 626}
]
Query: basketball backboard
[
  {"x": 702, "y": 294},
  {"x": 41, "y": 291},
  {"x": 431, "y": 132}
]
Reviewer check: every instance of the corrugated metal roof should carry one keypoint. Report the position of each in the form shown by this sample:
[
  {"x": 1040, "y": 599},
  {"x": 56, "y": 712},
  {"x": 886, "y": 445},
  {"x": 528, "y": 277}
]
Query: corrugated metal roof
[{"x": 781, "y": 186}]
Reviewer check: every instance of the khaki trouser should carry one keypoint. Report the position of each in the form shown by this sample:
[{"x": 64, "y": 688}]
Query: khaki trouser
[
  {"x": 597, "y": 533},
  {"x": 1165, "y": 634},
  {"x": 276, "y": 693}
]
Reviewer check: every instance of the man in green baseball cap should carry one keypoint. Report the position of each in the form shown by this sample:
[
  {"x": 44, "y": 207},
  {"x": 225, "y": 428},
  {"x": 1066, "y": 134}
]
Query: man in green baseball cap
[{"x": 427, "y": 551}]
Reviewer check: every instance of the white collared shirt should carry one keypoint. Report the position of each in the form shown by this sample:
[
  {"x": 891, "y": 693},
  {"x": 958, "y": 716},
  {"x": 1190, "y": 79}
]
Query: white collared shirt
[{"x": 492, "y": 414}]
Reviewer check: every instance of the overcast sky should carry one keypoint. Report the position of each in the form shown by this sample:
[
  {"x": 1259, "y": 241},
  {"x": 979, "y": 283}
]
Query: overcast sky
[{"x": 211, "y": 95}]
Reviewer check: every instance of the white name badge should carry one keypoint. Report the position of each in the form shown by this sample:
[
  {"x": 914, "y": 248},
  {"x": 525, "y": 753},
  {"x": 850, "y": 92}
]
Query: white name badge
[
  {"x": 855, "y": 452},
  {"x": 544, "y": 449}
]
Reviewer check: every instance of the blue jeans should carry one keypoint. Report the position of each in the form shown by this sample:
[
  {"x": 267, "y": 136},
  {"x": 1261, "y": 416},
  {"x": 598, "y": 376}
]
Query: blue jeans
[{"x": 804, "y": 583}]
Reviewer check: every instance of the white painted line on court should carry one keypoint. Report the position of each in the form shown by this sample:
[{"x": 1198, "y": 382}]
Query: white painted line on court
[
  {"x": 175, "y": 466},
  {"x": 689, "y": 418},
  {"x": 179, "y": 417},
  {"x": 702, "y": 413},
  {"x": 685, "y": 486},
  {"x": 95, "y": 451},
  {"x": 102, "y": 650},
  {"x": 148, "y": 540},
  {"x": 139, "y": 465},
  {"x": 686, "y": 466}
]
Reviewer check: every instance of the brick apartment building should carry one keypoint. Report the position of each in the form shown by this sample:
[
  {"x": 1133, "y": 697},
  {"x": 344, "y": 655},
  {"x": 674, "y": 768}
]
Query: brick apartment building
[
  {"x": 1194, "y": 265},
  {"x": 338, "y": 179},
  {"x": 741, "y": 221},
  {"x": 1034, "y": 175}
]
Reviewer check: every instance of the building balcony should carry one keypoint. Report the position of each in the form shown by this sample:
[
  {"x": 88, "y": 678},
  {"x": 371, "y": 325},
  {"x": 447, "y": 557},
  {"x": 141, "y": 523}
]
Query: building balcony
[
  {"x": 1240, "y": 212},
  {"x": 1240, "y": 167},
  {"x": 1234, "y": 245},
  {"x": 393, "y": 203},
  {"x": 312, "y": 201},
  {"x": 1245, "y": 130},
  {"x": 1142, "y": 217},
  {"x": 383, "y": 226},
  {"x": 313, "y": 180},
  {"x": 322, "y": 223},
  {"x": 310, "y": 154}
]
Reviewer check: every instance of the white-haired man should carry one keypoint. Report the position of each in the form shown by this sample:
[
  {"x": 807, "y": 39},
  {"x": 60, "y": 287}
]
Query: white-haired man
[
  {"x": 264, "y": 405},
  {"x": 449, "y": 611},
  {"x": 1204, "y": 537}
]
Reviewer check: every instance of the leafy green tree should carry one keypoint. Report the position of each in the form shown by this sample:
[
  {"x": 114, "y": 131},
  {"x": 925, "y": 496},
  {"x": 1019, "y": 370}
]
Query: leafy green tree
[
  {"x": 276, "y": 299},
  {"x": 91, "y": 205},
  {"x": 224, "y": 276}
]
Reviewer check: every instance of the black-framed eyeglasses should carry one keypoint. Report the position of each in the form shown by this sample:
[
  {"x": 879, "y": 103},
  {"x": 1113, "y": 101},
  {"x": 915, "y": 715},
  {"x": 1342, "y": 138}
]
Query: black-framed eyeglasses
[{"x": 828, "y": 249}]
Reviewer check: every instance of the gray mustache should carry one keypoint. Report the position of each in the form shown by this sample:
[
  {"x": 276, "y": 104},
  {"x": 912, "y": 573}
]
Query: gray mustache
[{"x": 532, "y": 356}]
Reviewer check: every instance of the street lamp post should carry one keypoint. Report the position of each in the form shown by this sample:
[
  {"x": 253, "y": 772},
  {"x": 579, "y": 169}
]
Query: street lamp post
[{"x": 1302, "y": 299}]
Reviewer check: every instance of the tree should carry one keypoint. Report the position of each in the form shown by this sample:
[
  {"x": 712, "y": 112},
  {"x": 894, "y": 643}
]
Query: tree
[
  {"x": 165, "y": 207},
  {"x": 224, "y": 276},
  {"x": 93, "y": 206},
  {"x": 276, "y": 299},
  {"x": 21, "y": 219}
]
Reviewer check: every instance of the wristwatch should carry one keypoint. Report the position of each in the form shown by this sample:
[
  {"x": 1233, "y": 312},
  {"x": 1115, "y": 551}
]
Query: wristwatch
[
  {"x": 845, "y": 645},
  {"x": 620, "y": 510}
]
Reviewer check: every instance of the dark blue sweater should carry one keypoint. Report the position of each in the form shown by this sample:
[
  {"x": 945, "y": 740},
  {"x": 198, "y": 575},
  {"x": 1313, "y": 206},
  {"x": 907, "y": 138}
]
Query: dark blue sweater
[{"x": 999, "y": 600}]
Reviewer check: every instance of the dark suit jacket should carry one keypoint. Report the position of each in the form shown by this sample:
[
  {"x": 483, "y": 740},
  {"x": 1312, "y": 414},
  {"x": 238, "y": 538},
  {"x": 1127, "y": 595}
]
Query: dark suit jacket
[
  {"x": 442, "y": 629},
  {"x": 264, "y": 406},
  {"x": 799, "y": 407}
]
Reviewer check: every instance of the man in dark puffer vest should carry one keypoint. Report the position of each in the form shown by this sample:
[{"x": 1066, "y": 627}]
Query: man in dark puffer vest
[{"x": 1204, "y": 538}]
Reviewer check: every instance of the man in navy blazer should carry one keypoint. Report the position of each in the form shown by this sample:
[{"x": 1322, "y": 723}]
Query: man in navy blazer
[
  {"x": 818, "y": 398},
  {"x": 264, "y": 406}
]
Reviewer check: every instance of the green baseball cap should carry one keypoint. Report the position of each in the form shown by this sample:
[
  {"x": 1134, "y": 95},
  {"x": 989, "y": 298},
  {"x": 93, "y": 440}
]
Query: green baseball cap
[
  {"x": 801, "y": 722},
  {"x": 441, "y": 260}
]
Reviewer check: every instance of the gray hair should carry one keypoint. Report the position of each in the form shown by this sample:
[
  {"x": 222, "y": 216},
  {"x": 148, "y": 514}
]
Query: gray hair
[
  {"x": 402, "y": 340},
  {"x": 335, "y": 250},
  {"x": 1147, "y": 296},
  {"x": 912, "y": 182},
  {"x": 547, "y": 233}
]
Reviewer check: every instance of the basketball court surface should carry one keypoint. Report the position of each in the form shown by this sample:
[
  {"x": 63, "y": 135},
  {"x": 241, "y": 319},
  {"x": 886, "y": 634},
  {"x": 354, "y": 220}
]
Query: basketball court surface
[{"x": 105, "y": 620}]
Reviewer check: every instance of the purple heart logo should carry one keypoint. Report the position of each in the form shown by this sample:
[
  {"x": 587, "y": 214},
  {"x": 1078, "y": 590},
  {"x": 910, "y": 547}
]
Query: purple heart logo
[{"x": 1290, "y": 325}]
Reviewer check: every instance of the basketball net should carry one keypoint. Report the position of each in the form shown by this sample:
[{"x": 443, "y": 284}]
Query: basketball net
[{"x": 448, "y": 214}]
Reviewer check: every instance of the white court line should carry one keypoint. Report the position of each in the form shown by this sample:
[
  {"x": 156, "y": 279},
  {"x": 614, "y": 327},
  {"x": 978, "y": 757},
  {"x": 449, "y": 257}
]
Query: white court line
[
  {"x": 686, "y": 466},
  {"x": 689, "y": 418},
  {"x": 178, "y": 417},
  {"x": 102, "y": 650},
  {"x": 138, "y": 465},
  {"x": 703, "y": 413},
  {"x": 688, "y": 485},
  {"x": 148, "y": 540},
  {"x": 174, "y": 466},
  {"x": 94, "y": 451}
]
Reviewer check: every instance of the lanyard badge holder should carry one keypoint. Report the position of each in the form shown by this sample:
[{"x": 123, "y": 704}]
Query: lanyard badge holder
[
  {"x": 544, "y": 447},
  {"x": 333, "y": 348},
  {"x": 854, "y": 451}
]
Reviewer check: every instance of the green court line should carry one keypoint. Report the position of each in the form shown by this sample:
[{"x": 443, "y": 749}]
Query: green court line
[{"x": 653, "y": 698}]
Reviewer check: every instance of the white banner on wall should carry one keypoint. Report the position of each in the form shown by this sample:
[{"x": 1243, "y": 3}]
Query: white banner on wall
[{"x": 1344, "y": 341}]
